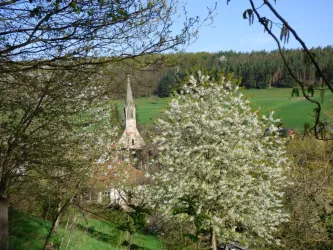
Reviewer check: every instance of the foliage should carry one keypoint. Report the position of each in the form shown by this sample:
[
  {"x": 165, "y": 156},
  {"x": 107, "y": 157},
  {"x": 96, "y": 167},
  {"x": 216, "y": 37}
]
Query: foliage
[
  {"x": 308, "y": 201},
  {"x": 116, "y": 120},
  {"x": 212, "y": 147},
  {"x": 167, "y": 84},
  {"x": 263, "y": 69},
  {"x": 48, "y": 141},
  {"x": 189, "y": 206},
  {"x": 256, "y": 69},
  {"x": 136, "y": 223}
]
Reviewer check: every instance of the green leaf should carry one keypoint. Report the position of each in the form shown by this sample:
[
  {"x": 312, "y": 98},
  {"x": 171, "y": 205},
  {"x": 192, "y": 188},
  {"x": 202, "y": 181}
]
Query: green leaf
[
  {"x": 244, "y": 14},
  {"x": 251, "y": 16},
  {"x": 249, "y": 13},
  {"x": 142, "y": 220},
  {"x": 285, "y": 34},
  {"x": 72, "y": 4},
  {"x": 311, "y": 91}
]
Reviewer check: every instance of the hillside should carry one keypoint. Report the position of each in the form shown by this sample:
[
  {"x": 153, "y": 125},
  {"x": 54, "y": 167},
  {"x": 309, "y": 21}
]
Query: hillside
[
  {"x": 293, "y": 112},
  {"x": 257, "y": 69},
  {"x": 28, "y": 232}
]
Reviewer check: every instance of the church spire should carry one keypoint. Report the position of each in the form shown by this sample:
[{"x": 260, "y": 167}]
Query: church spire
[
  {"x": 131, "y": 138},
  {"x": 129, "y": 95}
]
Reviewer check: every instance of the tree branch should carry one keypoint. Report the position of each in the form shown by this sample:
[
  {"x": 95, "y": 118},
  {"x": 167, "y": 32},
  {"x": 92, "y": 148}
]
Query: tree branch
[
  {"x": 305, "y": 48},
  {"x": 264, "y": 22}
]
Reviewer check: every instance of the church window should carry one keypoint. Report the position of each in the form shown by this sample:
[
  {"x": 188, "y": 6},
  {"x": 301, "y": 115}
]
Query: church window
[
  {"x": 130, "y": 113},
  {"x": 132, "y": 141}
]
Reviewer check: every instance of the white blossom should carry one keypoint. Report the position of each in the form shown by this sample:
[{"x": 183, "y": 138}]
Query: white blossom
[{"x": 212, "y": 145}]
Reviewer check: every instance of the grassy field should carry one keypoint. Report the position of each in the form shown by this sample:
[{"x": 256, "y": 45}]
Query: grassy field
[
  {"x": 148, "y": 109},
  {"x": 292, "y": 111},
  {"x": 28, "y": 232}
]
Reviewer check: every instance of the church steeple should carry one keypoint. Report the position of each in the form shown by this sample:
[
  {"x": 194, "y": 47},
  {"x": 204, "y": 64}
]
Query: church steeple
[
  {"x": 131, "y": 138},
  {"x": 129, "y": 95},
  {"x": 129, "y": 109}
]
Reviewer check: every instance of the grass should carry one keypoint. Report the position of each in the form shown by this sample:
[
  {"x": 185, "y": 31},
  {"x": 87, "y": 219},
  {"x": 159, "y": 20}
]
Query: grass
[
  {"x": 148, "y": 109},
  {"x": 28, "y": 232},
  {"x": 293, "y": 112}
]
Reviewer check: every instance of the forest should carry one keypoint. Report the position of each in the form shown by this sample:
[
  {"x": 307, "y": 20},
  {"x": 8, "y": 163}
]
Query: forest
[{"x": 257, "y": 69}]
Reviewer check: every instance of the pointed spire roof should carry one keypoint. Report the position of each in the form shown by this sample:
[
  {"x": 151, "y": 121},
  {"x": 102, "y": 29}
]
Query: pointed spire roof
[{"x": 129, "y": 95}]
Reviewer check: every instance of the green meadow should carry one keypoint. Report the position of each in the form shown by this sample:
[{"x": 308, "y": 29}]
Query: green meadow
[
  {"x": 28, "y": 232},
  {"x": 148, "y": 109},
  {"x": 293, "y": 112}
]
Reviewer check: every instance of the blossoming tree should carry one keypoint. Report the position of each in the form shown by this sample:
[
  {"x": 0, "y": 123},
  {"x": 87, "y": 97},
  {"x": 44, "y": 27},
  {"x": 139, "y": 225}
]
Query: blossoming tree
[{"x": 216, "y": 160}]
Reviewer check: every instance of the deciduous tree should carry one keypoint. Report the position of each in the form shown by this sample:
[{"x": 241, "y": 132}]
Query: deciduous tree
[
  {"x": 213, "y": 151},
  {"x": 36, "y": 32},
  {"x": 46, "y": 129}
]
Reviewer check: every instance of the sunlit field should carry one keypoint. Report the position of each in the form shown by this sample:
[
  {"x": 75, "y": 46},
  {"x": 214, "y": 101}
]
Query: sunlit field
[{"x": 293, "y": 112}]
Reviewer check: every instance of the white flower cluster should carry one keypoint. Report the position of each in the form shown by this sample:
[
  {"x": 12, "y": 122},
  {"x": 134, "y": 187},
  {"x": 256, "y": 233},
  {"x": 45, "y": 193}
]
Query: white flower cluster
[{"x": 213, "y": 146}]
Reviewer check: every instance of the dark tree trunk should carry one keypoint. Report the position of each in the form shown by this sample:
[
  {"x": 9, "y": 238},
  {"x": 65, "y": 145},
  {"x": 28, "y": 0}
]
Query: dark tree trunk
[{"x": 3, "y": 223}]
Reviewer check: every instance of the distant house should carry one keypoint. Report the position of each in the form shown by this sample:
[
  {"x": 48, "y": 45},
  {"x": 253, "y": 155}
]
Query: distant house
[
  {"x": 287, "y": 132},
  {"x": 284, "y": 132}
]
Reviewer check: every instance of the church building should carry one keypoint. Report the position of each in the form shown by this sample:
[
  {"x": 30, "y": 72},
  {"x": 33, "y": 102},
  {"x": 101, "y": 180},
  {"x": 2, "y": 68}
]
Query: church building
[
  {"x": 131, "y": 138},
  {"x": 130, "y": 144}
]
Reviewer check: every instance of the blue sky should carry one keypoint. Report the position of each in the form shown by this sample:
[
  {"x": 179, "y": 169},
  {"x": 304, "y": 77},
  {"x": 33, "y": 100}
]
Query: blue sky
[{"x": 312, "y": 20}]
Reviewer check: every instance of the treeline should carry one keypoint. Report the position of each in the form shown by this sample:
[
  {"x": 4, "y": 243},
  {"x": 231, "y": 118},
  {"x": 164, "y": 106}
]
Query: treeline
[
  {"x": 265, "y": 69},
  {"x": 257, "y": 69}
]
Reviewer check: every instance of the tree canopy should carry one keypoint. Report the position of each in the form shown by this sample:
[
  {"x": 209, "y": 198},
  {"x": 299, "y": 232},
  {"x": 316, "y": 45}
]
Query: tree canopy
[{"x": 214, "y": 155}]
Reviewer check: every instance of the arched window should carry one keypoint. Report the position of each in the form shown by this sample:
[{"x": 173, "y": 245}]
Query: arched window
[
  {"x": 130, "y": 113},
  {"x": 132, "y": 141}
]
